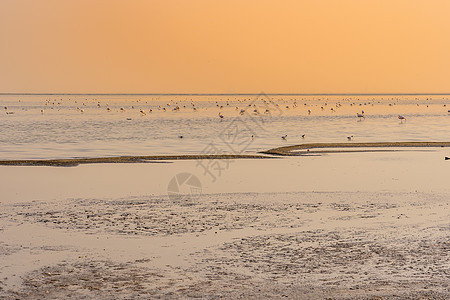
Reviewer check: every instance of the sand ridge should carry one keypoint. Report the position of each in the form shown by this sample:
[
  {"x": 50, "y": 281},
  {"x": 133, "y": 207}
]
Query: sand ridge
[
  {"x": 72, "y": 162},
  {"x": 289, "y": 150},
  {"x": 281, "y": 151}
]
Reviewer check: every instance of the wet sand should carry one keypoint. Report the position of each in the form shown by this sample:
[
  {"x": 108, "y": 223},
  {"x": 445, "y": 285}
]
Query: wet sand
[
  {"x": 291, "y": 245},
  {"x": 340, "y": 232}
]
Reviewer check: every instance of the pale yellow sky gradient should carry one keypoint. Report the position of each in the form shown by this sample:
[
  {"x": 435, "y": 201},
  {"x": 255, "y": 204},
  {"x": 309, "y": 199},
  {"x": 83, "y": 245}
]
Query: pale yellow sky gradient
[{"x": 208, "y": 46}]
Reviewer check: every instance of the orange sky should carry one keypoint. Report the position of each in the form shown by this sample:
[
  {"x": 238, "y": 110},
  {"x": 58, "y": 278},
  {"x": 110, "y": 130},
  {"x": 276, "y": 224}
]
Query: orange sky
[{"x": 232, "y": 46}]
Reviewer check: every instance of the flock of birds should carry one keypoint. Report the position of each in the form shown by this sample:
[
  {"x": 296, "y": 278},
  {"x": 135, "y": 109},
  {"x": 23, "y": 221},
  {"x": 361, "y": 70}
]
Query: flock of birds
[
  {"x": 360, "y": 116},
  {"x": 252, "y": 107},
  {"x": 243, "y": 107}
]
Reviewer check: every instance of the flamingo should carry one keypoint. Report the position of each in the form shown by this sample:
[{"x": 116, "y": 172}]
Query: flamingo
[
  {"x": 284, "y": 137},
  {"x": 350, "y": 137},
  {"x": 401, "y": 118}
]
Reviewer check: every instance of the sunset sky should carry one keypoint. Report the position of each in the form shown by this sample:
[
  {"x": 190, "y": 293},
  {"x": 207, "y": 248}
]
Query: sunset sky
[{"x": 208, "y": 46}]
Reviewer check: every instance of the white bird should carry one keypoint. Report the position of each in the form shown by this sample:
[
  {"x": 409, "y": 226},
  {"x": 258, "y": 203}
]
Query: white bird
[{"x": 401, "y": 118}]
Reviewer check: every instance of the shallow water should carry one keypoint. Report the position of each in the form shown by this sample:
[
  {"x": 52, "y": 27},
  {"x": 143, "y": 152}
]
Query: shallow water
[
  {"x": 361, "y": 218},
  {"x": 63, "y": 130}
]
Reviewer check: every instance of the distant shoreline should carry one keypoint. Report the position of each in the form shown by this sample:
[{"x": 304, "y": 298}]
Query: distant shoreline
[{"x": 224, "y": 94}]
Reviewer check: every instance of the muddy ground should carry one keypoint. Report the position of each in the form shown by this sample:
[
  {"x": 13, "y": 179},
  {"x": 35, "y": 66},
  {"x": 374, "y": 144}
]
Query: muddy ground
[{"x": 355, "y": 245}]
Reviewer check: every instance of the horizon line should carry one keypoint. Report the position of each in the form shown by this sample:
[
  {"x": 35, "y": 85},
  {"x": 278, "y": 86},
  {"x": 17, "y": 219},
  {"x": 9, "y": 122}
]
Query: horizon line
[{"x": 222, "y": 94}]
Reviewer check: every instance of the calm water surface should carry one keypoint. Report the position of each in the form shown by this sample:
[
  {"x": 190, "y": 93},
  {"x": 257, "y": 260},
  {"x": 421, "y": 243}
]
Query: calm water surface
[{"x": 97, "y": 126}]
